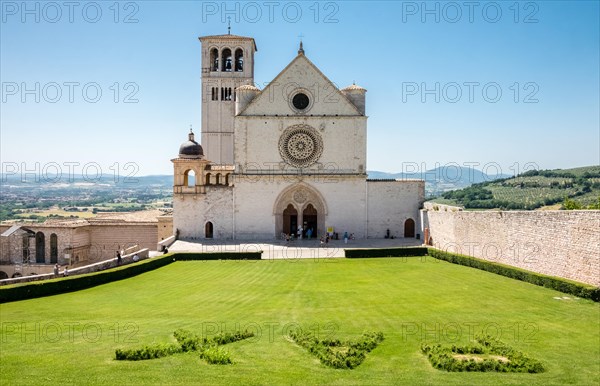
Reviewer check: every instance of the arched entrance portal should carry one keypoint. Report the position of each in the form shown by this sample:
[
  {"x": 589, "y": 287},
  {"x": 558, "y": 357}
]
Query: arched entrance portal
[
  {"x": 310, "y": 221},
  {"x": 208, "y": 230},
  {"x": 409, "y": 228},
  {"x": 299, "y": 205},
  {"x": 290, "y": 220}
]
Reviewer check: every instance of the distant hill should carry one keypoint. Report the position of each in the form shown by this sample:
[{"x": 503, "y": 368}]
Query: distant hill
[
  {"x": 437, "y": 181},
  {"x": 531, "y": 190},
  {"x": 442, "y": 179},
  {"x": 49, "y": 181}
]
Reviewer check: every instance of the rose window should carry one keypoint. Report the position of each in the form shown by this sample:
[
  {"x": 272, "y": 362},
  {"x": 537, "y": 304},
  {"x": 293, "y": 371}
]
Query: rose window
[{"x": 300, "y": 146}]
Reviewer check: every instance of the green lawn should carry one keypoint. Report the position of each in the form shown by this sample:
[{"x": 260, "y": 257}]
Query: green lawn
[{"x": 72, "y": 338}]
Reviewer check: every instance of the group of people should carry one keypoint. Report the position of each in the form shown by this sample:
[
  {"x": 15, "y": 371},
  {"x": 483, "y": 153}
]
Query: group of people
[
  {"x": 57, "y": 269},
  {"x": 135, "y": 257},
  {"x": 119, "y": 262},
  {"x": 324, "y": 240},
  {"x": 299, "y": 234}
]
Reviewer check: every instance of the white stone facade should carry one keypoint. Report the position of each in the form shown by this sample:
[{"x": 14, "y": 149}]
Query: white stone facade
[{"x": 298, "y": 159}]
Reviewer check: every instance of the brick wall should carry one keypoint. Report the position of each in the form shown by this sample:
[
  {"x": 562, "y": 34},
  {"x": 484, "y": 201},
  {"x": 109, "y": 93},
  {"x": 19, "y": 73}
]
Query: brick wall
[{"x": 108, "y": 238}]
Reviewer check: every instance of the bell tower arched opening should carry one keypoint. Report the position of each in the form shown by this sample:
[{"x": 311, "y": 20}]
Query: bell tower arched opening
[
  {"x": 239, "y": 60},
  {"x": 189, "y": 178},
  {"x": 214, "y": 60},
  {"x": 226, "y": 60}
]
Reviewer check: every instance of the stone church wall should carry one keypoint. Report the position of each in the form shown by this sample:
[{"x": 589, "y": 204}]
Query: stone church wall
[
  {"x": 346, "y": 202},
  {"x": 255, "y": 197},
  {"x": 556, "y": 243},
  {"x": 391, "y": 203},
  {"x": 344, "y": 143},
  {"x": 195, "y": 210}
]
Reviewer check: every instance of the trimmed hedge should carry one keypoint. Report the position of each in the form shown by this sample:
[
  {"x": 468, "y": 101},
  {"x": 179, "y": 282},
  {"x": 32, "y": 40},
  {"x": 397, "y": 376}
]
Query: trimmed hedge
[
  {"x": 187, "y": 342},
  {"x": 218, "y": 256},
  {"x": 335, "y": 353},
  {"x": 385, "y": 252},
  {"x": 12, "y": 293},
  {"x": 478, "y": 357},
  {"x": 147, "y": 352},
  {"x": 79, "y": 282},
  {"x": 563, "y": 285}
]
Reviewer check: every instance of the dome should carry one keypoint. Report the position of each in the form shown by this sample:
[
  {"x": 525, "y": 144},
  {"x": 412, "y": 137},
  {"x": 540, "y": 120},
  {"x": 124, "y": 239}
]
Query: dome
[
  {"x": 354, "y": 87},
  {"x": 190, "y": 148},
  {"x": 248, "y": 87}
]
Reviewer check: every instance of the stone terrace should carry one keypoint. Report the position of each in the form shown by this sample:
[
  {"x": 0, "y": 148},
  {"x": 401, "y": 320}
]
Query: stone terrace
[{"x": 296, "y": 249}]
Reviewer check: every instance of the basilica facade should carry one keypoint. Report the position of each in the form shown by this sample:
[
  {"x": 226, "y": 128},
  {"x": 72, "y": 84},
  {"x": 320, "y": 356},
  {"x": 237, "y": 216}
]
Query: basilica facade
[{"x": 287, "y": 159}]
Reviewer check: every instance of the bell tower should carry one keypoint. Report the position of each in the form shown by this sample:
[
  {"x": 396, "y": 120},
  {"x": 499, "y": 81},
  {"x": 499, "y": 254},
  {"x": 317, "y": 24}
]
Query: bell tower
[{"x": 227, "y": 63}]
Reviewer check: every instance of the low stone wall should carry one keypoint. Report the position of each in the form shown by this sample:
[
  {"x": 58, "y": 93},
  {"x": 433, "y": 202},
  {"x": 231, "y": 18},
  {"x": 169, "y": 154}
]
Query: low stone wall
[
  {"x": 557, "y": 243},
  {"x": 165, "y": 243},
  {"x": 99, "y": 266}
]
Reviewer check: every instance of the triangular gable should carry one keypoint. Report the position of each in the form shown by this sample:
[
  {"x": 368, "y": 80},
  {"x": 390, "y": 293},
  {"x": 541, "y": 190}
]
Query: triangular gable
[
  {"x": 18, "y": 230},
  {"x": 326, "y": 98}
]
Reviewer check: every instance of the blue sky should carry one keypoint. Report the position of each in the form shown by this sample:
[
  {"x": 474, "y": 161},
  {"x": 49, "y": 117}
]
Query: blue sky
[{"x": 543, "y": 57}]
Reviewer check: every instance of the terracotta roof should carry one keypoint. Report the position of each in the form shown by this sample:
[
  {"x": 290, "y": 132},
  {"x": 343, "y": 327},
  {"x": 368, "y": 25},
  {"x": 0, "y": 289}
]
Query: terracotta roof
[{"x": 141, "y": 216}]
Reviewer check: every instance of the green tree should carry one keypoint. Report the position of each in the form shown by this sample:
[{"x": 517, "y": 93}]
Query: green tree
[
  {"x": 596, "y": 205},
  {"x": 569, "y": 204}
]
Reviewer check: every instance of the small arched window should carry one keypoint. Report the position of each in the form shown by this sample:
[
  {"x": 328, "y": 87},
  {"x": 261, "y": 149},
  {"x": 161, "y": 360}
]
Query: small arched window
[
  {"x": 239, "y": 60},
  {"x": 214, "y": 59},
  {"x": 226, "y": 60},
  {"x": 53, "y": 248},
  {"x": 208, "y": 230},
  {"x": 40, "y": 248},
  {"x": 25, "y": 248},
  {"x": 189, "y": 178}
]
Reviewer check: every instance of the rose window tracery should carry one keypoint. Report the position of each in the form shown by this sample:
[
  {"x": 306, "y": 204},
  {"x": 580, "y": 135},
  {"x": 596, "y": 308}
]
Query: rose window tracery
[{"x": 300, "y": 146}]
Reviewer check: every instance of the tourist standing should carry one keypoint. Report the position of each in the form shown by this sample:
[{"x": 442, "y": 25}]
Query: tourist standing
[
  {"x": 119, "y": 258},
  {"x": 56, "y": 269},
  {"x": 345, "y": 237}
]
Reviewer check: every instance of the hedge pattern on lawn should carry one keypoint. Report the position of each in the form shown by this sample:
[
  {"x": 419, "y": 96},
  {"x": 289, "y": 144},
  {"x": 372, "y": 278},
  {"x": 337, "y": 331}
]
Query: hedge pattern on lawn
[
  {"x": 489, "y": 354},
  {"x": 335, "y": 353},
  {"x": 57, "y": 286},
  {"x": 187, "y": 342},
  {"x": 385, "y": 252},
  {"x": 563, "y": 285}
]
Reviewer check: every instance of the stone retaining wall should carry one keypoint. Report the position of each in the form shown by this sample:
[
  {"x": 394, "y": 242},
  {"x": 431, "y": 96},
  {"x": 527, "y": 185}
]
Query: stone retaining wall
[{"x": 556, "y": 243}]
